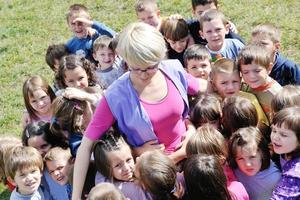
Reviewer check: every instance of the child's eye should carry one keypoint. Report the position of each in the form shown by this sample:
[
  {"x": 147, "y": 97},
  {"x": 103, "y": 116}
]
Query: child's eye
[
  {"x": 283, "y": 135},
  {"x": 60, "y": 167},
  {"x": 70, "y": 81},
  {"x": 240, "y": 159},
  {"x": 118, "y": 165},
  {"x": 257, "y": 71},
  {"x": 208, "y": 31},
  {"x": 218, "y": 29},
  {"x": 80, "y": 78},
  {"x": 244, "y": 72},
  {"x": 129, "y": 160},
  {"x": 223, "y": 83}
]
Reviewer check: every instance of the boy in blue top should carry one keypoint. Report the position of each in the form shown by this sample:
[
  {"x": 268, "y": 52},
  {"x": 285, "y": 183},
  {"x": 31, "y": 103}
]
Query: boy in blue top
[
  {"x": 284, "y": 71},
  {"x": 85, "y": 31},
  {"x": 198, "y": 7},
  {"x": 213, "y": 28}
]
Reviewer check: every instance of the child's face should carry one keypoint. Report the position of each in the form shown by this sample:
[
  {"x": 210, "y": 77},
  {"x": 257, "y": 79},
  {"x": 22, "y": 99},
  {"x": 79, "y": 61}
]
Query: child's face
[
  {"x": 199, "y": 68},
  {"x": 197, "y": 12},
  {"x": 122, "y": 163},
  {"x": 214, "y": 32},
  {"x": 78, "y": 28},
  {"x": 248, "y": 159},
  {"x": 283, "y": 140},
  {"x": 178, "y": 46},
  {"x": 226, "y": 84},
  {"x": 105, "y": 56},
  {"x": 40, "y": 101},
  {"x": 149, "y": 16},
  {"x": 40, "y": 144},
  {"x": 254, "y": 75},
  {"x": 28, "y": 180},
  {"x": 59, "y": 169},
  {"x": 76, "y": 77}
]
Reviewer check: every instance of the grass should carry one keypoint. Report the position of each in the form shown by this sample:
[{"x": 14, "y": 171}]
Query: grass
[{"x": 29, "y": 26}]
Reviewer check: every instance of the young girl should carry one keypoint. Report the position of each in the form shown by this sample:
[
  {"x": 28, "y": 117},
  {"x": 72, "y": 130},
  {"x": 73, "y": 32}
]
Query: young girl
[
  {"x": 205, "y": 179},
  {"x": 69, "y": 120},
  {"x": 285, "y": 138},
  {"x": 114, "y": 162},
  {"x": 38, "y": 96},
  {"x": 157, "y": 174},
  {"x": 206, "y": 109},
  {"x": 207, "y": 140},
  {"x": 249, "y": 156},
  {"x": 77, "y": 77}
]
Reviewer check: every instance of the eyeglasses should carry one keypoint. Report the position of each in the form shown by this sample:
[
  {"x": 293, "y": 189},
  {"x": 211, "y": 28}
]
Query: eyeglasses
[{"x": 150, "y": 69}]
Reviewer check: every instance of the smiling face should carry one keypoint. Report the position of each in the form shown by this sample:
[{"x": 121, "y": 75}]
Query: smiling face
[
  {"x": 149, "y": 16},
  {"x": 254, "y": 75},
  {"x": 40, "y": 144},
  {"x": 248, "y": 159},
  {"x": 105, "y": 56},
  {"x": 122, "y": 163},
  {"x": 28, "y": 180},
  {"x": 59, "y": 169},
  {"x": 283, "y": 140},
  {"x": 214, "y": 32},
  {"x": 199, "y": 68},
  {"x": 40, "y": 101},
  {"x": 226, "y": 84},
  {"x": 76, "y": 77},
  {"x": 78, "y": 28}
]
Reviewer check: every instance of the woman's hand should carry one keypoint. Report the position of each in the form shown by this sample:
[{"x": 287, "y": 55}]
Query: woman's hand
[{"x": 148, "y": 146}]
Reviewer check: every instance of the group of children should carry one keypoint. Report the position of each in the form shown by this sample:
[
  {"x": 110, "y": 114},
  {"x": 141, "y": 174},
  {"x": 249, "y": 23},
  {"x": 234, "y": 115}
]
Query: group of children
[{"x": 245, "y": 119}]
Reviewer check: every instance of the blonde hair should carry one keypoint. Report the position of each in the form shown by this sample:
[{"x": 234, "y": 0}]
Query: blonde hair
[
  {"x": 207, "y": 140},
  {"x": 22, "y": 157},
  {"x": 77, "y": 10},
  {"x": 105, "y": 191},
  {"x": 141, "y": 45},
  {"x": 266, "y": 31},
  {"x": 210, "y": 15},
  {"x": 224, "y": 65},
  {"x": 56, "y": 153},
  {"x": 174, "y": 29},
  {"x": 143, "y": 5},
  {"x": 101, "y": 42}
]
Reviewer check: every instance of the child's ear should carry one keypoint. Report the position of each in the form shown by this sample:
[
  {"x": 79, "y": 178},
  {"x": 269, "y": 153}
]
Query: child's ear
[
  {"x": 9, "y": 179},
  {"x": 227, "y": 28},
  {"x": 158, "y": 13},
  {"x": 269, "y": 69},
  {"x": 95, "y": 56},
  {"x": 201, "y": 34},
  {"x": 277, "y": 46}
]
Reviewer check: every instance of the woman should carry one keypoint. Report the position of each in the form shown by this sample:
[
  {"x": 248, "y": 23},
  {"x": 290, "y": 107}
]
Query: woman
[{"x": 149, "y": 102}]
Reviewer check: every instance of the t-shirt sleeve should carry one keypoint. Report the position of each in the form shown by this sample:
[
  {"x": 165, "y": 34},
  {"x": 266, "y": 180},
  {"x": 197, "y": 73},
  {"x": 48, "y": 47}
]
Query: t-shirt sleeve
[
  {"x": 101, "y": 121},
  {"x": 193, "y": 84}
]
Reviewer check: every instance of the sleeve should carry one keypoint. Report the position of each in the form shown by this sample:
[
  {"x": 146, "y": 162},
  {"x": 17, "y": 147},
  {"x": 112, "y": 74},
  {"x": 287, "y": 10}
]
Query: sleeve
[
  {"x": 295, "y": 72},
  {"x": 103, "y": 29},
  {"x": 193, "y": 84},
  {"x": 101, "y": 121}
]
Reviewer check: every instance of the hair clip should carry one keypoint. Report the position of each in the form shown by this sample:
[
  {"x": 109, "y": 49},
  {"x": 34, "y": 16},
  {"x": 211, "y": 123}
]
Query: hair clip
[
  {"x": 174, "y": 189},
  {"x": 27, "y": 133},
  {"x": 53, "y": 120}
]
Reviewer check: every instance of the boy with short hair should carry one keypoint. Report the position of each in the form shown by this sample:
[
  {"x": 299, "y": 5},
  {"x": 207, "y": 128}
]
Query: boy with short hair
[
  {"x": 53, "y": 55},
  {"x": 197, "y": 61},
  {"x": 255, "y": 63},
  {"x": 213, "y": 28},
  {"x": 198, "y": 7},
  {"x": 284, "y": 71},
  {"x": 24, "y": 166},
  {"x": 85, "y": 31},
  {"x": 226, "y": 81},
  {"x": 59, "y": 162},
  {"x": 110, "y": 66},
  {"x": 147, "y": 11}
]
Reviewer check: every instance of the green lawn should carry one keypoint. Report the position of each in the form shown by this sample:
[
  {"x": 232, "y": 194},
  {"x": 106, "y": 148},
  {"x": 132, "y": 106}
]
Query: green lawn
[{"x": 28, "y": 27}]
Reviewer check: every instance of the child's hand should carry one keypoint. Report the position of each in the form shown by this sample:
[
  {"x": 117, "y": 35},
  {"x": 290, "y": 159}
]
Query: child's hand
[
  {"x": 74, "y": 93},
  {"x": 83, "y": 20},
  {"x": 91, "y": 31},
  {"x": 175, "y": 16},
  {"x": 148, "y": 146}
]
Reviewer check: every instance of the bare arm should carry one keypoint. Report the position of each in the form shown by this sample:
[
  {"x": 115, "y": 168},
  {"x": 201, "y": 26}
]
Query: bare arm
[{"x": 81, "y": 167}]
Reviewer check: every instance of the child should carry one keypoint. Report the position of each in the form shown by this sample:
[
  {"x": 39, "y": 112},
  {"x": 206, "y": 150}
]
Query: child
[
  {"x": 206, "y": 110},
  {"x": 198, "y": 7},
  {"x": 147, "y": 11},
  {"x": 255, "y": 62},
  {"x": 85, "y": 31},
  {"x": 285, "y": 138},
  {"x": 114, "y": 161},
  {"x": 249, "y": 156},
  {"x": 59, "y": 163},
  {"x": 197, "y": 61},
  {"x": 69, "y": 120},
  {"x": 106, "y": 191},
  {"x": 207, "y": 140},
  {"x": 284, "y": 71},
  {"x": 110, "y": 66},
  {"x": 213, "y": 28},
  {"x": 157, "y": 174},
  {"x": 38, "y": 96},
  {"x": 204, "y": 177},
  {"x": 24, "y": 166},
  {"x": 226, "y": 81},
  {"x": 77, "y": 76},
  {"x": 6, "y": 144},
  {"x": 177, "y": 36},
  {"x": 53, "y": 55}
]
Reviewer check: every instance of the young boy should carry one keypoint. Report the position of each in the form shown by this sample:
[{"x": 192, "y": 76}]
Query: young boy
[
  {"x": 59, "y": 163},
  {"x": 197, "y": 61},
  {"x": 198, "y": 7},
  {"x": 213, "y": 28},
  {"x": 53, "y": 55},
  {"x": 147, "y": 11},
  {"x": 284, "y": 71},
  {"x": 24, "y": 166},
  {"x": 110, "y": 66},
  {"x": 255, "y": 63},
  {"x": 226, "y": 82},
  {"x": 85, "y": 31}
]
